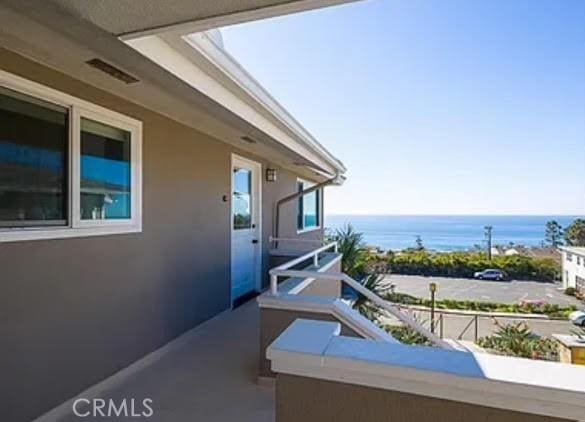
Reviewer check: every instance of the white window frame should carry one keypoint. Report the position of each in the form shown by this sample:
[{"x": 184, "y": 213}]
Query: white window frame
[
  {"x": 77, "y": 109},
  {"x": 319, "y": 202}
]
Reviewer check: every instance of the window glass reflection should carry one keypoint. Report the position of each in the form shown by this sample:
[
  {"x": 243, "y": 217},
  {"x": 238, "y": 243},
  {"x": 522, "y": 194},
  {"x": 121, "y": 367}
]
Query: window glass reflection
[
  {"x": 33, "y": 161},
  {"x": 242, "y": 199},
  {"x": 105, "y": 172}
]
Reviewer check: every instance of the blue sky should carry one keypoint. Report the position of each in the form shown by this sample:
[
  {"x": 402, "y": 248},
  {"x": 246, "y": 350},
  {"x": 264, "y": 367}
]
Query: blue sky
[{"x": 435, "y": 107}]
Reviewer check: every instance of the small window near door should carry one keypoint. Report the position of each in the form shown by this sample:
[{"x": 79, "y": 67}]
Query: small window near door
[
  {"x": 242, "y": 199},
  {"x": 309, "y": 206}
]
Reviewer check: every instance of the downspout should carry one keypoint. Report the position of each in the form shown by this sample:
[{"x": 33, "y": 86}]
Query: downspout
[{"x": 335, "y": 180}]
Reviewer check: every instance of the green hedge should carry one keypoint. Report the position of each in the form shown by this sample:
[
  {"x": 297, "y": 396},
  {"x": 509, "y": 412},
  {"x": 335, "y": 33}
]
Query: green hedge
[
  {"x": 461, "y": 264},
  {"x": 533, "y": 307}
]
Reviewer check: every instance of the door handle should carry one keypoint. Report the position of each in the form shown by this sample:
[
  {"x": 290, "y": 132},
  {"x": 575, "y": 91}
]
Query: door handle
[{"x": 254, "y": 241}]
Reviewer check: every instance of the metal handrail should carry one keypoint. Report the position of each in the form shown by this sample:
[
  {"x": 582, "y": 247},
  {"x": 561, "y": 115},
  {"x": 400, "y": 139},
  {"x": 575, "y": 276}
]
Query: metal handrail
[{"x": 373, "y": 297}]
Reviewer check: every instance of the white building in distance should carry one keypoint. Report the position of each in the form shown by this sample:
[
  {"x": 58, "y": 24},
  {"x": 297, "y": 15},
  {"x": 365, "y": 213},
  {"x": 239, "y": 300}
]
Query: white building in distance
[{"x": 574, "y": 267}]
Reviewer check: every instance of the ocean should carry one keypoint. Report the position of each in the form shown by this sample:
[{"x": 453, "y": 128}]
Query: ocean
[{"x": 446, "y": 233}]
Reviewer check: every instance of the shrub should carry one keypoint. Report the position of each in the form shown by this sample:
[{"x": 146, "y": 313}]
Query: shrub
[
  {"x": 350, "y": 244},
  {"x": 406, "y": 335},
  {"x": 378, "y": 285},
  {"x": 517, "y": 340},
  {"x": 571, "y": 291},
  {"x": 403, "y": 298}
]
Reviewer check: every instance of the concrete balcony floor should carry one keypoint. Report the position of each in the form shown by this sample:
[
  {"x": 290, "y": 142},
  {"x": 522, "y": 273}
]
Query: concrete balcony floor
[{"x": 208, "y": 375}]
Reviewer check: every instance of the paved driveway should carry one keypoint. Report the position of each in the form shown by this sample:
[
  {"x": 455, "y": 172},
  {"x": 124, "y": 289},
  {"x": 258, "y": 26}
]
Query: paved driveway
[{"x": 480, "y": 290}]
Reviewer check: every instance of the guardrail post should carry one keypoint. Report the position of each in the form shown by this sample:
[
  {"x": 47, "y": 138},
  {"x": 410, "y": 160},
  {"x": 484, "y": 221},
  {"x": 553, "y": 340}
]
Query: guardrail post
[
  {"x": 274, "y": 284},
  {"x": 335, "y": 247},
  {"x": 441, "y": 326},
  {"x": 316, "y": 260},
  {"x": 476, "y": 327}
]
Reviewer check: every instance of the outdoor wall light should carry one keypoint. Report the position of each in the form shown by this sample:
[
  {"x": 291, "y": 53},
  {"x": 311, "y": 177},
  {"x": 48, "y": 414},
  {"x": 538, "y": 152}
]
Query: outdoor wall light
[{"x": 271, "y": 175}]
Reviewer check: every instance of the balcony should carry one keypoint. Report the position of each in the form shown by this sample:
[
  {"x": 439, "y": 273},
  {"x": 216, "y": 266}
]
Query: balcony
[
  {"x": 327, "y": 372},
  {"x": 301, "y": 353}
]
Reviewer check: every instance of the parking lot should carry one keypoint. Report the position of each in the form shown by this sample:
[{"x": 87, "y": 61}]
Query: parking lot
[
  {"x": 509, "y": 292},
  {"x": 482, "y": 290}
]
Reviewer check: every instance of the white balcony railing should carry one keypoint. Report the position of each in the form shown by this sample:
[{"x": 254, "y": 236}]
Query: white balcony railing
[
  {"x": 314, "y": 255},
  {"x": 285, "y": 270}
]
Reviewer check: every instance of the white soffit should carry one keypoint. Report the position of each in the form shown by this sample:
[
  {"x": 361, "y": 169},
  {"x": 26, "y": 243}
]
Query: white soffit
[
  {"x": 145, "y": 17},
  {"x": 244, "y": 81},
  {"x": 199, "y": 62}
]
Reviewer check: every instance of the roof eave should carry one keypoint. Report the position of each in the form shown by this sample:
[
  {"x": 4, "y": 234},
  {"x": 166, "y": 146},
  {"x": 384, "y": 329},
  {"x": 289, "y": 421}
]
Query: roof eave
[
  {"x": 201, "y": 50},
  {"x": 250, "y": 87}
]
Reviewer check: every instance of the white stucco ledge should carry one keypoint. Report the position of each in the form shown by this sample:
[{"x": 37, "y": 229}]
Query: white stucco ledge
[
  {"x": 315, "y": 349},
  {"x": 326, "y": 305}
]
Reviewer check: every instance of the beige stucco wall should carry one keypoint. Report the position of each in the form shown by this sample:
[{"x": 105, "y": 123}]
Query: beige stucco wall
[
  {"x": 74, "y": 311},
  {"x": 325, "y": 287},
  {"x": 313, "y": 400},
  {"x": 285, "y": 185}
]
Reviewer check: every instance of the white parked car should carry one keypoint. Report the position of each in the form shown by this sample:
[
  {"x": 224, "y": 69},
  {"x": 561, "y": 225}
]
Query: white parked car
[
  {"x": 489, "y": 274},
  {"x": 578, "y": 318}
]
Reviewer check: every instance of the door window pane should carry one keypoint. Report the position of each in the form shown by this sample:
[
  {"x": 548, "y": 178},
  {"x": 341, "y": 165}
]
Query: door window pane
[
  {"x": 105, "y": 172},
  {"x": 33, "y": 161},
  {"x": 242, "y": 199}
]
